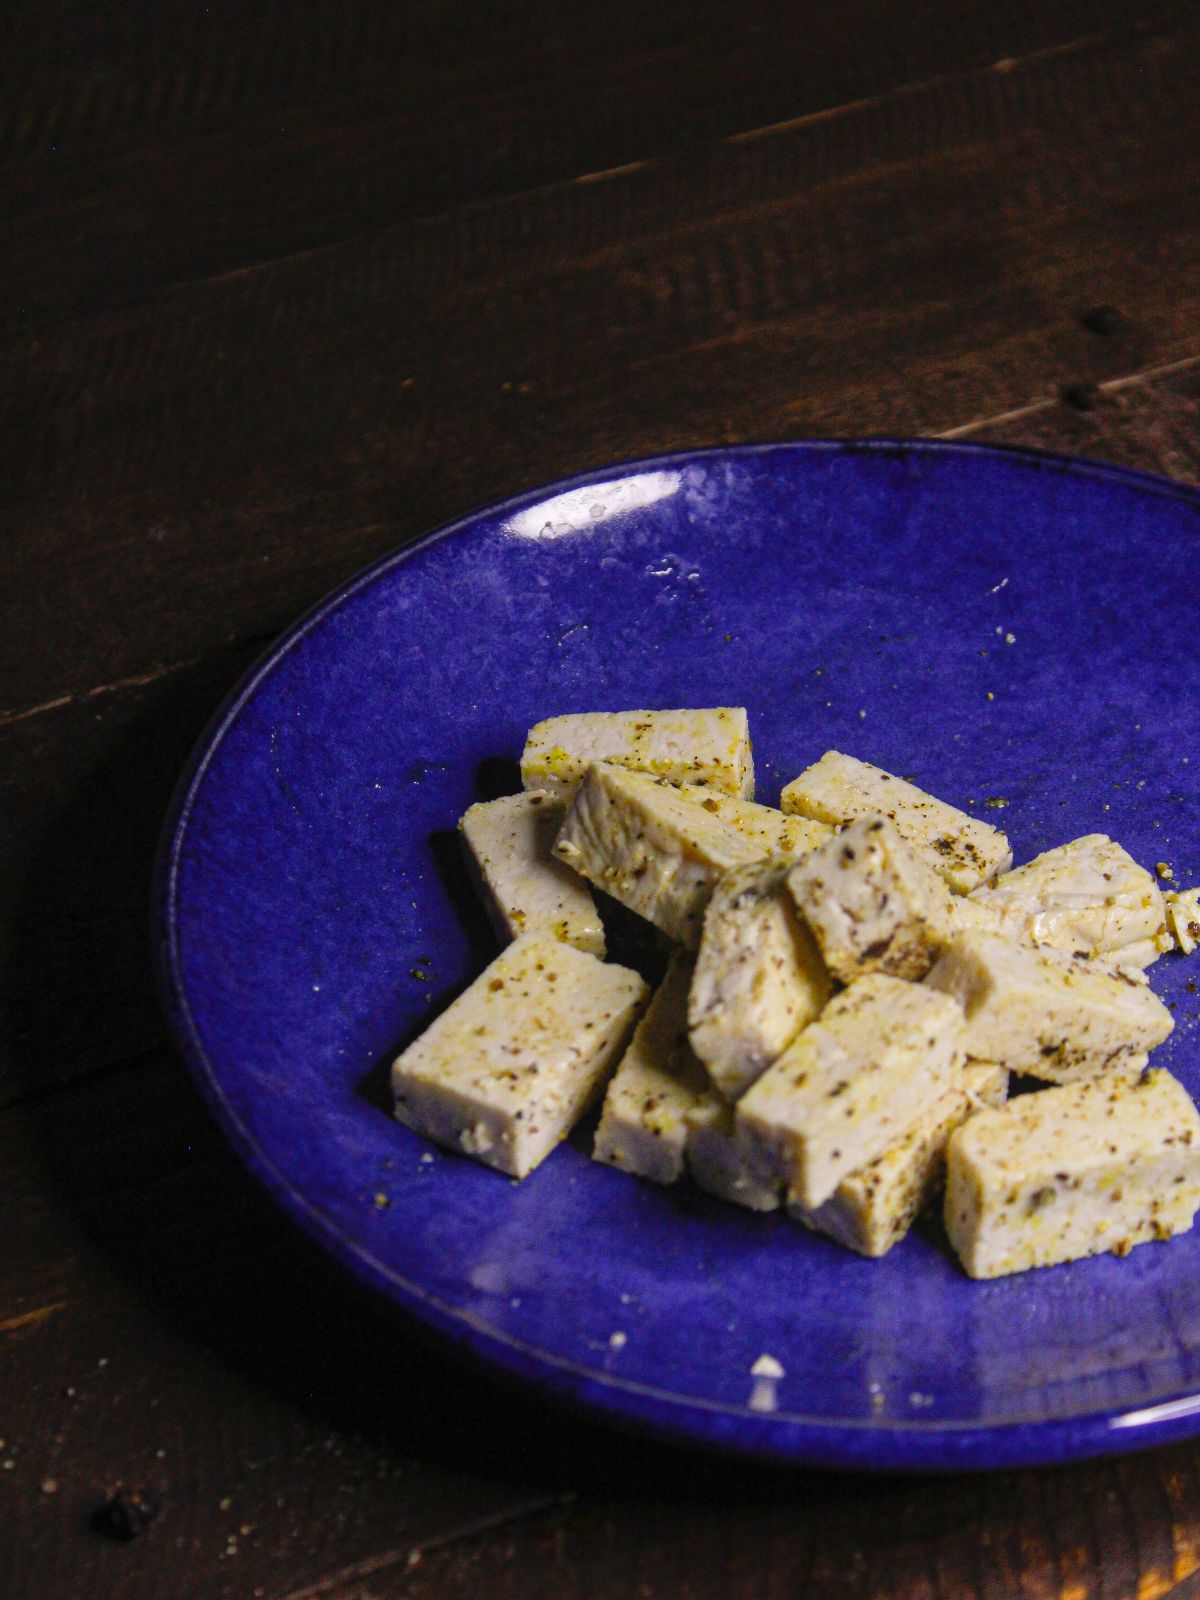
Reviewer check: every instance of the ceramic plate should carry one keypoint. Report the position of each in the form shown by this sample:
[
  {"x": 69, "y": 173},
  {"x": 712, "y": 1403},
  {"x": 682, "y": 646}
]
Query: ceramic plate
[{"x": 1015, "y": 631}]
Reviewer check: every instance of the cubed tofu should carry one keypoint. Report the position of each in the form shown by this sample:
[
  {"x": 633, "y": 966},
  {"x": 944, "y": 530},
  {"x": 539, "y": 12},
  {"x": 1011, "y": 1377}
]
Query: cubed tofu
[
  {"x": 967, "y": 913},
  {"x": 1137, "y": 957},
  {"x": 873, "y": 1208},
  {"x": 879, "y": 1057},
  {"x": 1101, "y": 1165},
  {"x": 840, "y": 788},
  {"x": 759, "y": 977},
  {"x": 524, "y": 888},
  {"x": 1089, "y": 895},
  {"x": 1183, "y": 918},
  {"x": 1041, "y": 1011},
  {"x": 775, "y": 833},
  {"x": 662, "y": 1119},
  {"x": 508, "y": 1068},
  {"x": 724, "y": 1162},
  {"x": 709, "y": 747},
  {"x": 643, "y": 1127},
  {"x": 649, "y": 847},
  {"x": 872, "y": 902}
]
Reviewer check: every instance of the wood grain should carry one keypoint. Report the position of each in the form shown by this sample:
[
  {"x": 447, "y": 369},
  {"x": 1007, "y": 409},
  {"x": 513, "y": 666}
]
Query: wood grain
[
  {"x": 1086, "y": 1533},
  {"x": 257, "y": 437},
  {"x": 178, "y": 145},
  {"x": 83, "y": 791},
  {"x": 111, "y": 79},
  {"x": 1151, "y": 423},
  {"x": 162, "y": 1327}
]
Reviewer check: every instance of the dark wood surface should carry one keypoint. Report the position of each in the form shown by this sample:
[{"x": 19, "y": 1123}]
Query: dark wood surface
[{"x": 286, "y": 285}]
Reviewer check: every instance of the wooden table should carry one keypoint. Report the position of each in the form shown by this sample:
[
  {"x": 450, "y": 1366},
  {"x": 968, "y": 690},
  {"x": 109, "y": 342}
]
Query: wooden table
[{"x": 285, "y": 285}]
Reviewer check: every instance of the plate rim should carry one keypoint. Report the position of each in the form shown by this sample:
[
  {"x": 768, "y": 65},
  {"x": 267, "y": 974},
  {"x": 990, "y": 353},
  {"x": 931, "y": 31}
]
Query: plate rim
[{"x": 793, "y": 1438}]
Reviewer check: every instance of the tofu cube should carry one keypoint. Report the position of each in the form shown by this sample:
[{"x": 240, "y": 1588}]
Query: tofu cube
[
  {"x": 873, "y": 1208},
  {"x": 643, "y": 1127},
  {"x": 759, "y": 976},
  {"x": 708, "y": 747},
  {"x": 966, "y": 913},
  {"x": 872, "y": 902},
  {"x": 1105, "y": 1164},
  {"x": 524, "y": 888},
  {"x": 649, "y": 847},
  {"x": 775, "y": 833},
  {"x": 1137, "y": 957},
  {"x": 509, "y": 1067},
  {"x": 1089, "y": 895},
  {"x": 879, "y": 1057},
  {"x": 1037, "y": 1010},
  {"x": 662, "y": 1119},
  {"x": 839, "y": 789},
  {"x": 723, "y": 1162},
  {"x": 1183, "y": 919}
]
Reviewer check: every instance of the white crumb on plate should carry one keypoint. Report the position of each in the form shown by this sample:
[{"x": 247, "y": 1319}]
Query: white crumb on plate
[{"x": 766, "y": 1367}]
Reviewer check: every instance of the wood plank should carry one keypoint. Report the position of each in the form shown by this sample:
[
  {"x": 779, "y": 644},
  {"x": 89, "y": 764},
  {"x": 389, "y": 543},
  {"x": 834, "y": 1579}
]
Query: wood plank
[
  {"x": 162, "y": 1327},
  {"x": 905, "y": 268},
  {"x": 109, "y": 79},
  {"x": 141, "y": 154},
  {"x": 1152, "y": 424},
  {"x": 1125, "y": 1530},
  {"x": 83, "y": 790}
]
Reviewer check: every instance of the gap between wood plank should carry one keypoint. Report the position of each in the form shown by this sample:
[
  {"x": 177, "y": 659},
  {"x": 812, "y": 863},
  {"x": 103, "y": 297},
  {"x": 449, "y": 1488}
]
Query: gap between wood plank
[
  {"x": 137, "y": 680},
  {"x": 35, "y": 1095},
  {"x": 1007, "y": 64},
  {"x": 960, "y": 431},
  {"x": 921, "y": 86},
  {"x": 413, "y": 1555},
  {"x": 30, "y": 1319},
  {"x": 1106, "y": 386}
]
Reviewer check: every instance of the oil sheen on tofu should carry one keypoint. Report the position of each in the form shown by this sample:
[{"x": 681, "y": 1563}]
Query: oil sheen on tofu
[
  {"x": 873, "y": 1208},
  {"x": 1041, "y": 1011},
  {"x": 507, "y": 1069},
  {"x": 649, "y": 847},
  {"x": 774, "y": 833},
  {"x": 707, "y": 747},
  {"x": 872, "y": 902},
  {"x": 759, "y": 976},
  {"x": 524, "y": 888},
  {"x": 880, "y": 1055},
  {"x": 1101, "y": 1165},
  {"x": 1089, "y": 895},
  {"x": 839, "y": 788}
]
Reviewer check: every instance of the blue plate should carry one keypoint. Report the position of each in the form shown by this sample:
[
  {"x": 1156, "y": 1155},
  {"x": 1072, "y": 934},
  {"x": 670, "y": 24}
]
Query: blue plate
[{"x": 1002, "y": 626}]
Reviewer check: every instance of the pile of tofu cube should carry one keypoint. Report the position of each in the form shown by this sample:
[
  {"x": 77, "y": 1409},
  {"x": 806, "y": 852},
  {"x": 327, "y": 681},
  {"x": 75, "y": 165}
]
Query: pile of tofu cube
[{"x": 852, "y": 980}]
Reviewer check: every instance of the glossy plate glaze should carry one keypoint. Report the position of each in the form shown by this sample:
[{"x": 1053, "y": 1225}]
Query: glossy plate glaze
[{"x": 1004, "y": 627}]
